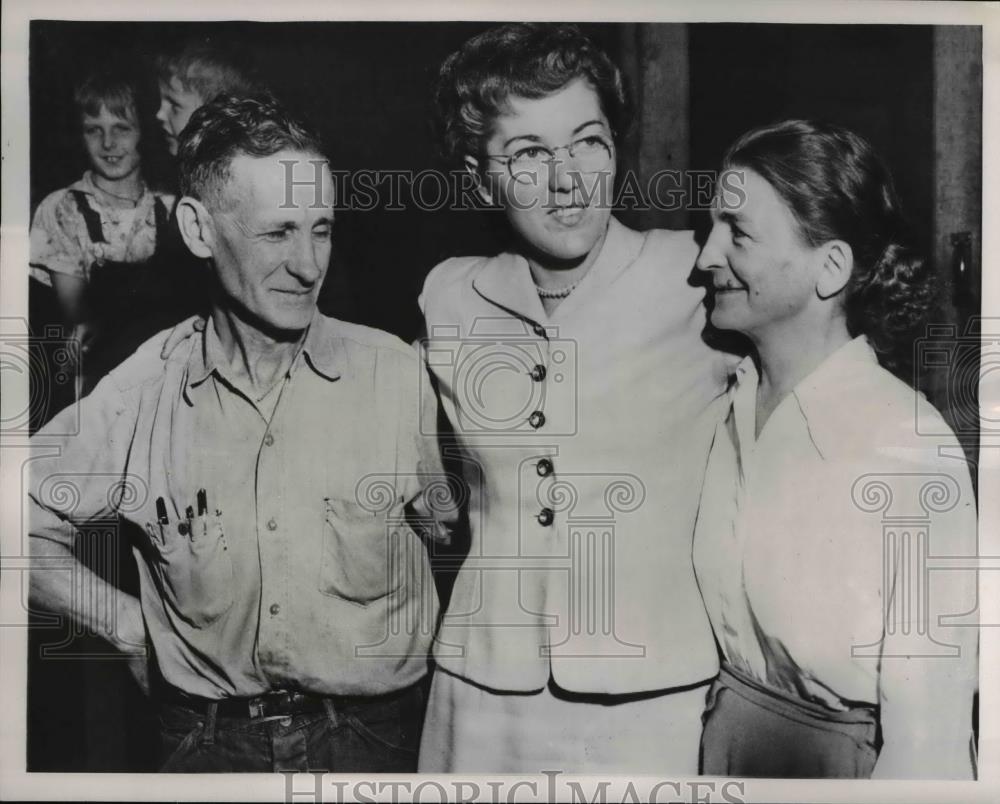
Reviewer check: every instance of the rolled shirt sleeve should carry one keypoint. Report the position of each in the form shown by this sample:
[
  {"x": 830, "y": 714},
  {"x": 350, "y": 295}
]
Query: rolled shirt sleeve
[{"x": 55, "y": 239}]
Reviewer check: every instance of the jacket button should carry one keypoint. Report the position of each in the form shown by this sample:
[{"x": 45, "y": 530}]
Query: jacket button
[
  {"x": 536, "y": 419},
  {"x": 538, "y": 373},
  {"x": 268, "y": 440},
  {"x": 546, "y": 517},
  {"x": 272, "y": 525},
  {"x": 539, "y": 330},
  {"x": 275, "y": 608},
  {"x": 544, "y": 467}
]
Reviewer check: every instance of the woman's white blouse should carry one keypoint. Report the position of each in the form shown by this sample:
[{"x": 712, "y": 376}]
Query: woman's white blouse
[{"x": 825, "y": 552}]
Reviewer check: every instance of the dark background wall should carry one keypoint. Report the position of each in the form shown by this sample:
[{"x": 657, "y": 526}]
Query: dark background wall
[
  {"x": 367, "y": 87},
  {"x": 874, "y": 79}
]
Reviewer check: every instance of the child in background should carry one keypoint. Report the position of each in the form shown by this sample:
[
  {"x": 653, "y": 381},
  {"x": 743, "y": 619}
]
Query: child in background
[
  {"x": 104, "y": 261},
  {"x": 109, "y": 216},
  {"x": 192, "y": 77}
]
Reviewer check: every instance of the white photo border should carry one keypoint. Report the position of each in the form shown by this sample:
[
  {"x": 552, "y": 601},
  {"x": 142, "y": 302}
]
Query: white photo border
[{"x": 15, "y": 783}]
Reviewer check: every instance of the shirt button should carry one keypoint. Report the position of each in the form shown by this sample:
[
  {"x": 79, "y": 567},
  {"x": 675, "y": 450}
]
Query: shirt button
[
  {"x": 544, "y": 467},
  {"x": 268, "y": 440},
  {"x": 275, "y": 608},
  {"x": 536, "y": 419},
  {"x": 546, "y": 517},
  {"x": 538, "y": 373},
  {"x": 272, "y": 525}
]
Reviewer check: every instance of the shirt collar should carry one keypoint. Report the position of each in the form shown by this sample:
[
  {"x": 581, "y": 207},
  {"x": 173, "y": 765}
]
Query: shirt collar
[
  {"x": 818, "y": 397},
  {"x": 743, "y": 395},
  {"x": 320, "y": 350},
  {"x": 87, "y": 185},
  {"x": 824, "y": 395},
  {"x": 507, "y": 282}
]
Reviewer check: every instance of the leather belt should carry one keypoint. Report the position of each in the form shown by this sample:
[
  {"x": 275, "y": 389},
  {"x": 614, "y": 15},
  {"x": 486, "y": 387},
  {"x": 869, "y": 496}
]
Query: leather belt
[
  {"x": 272, "y": 704},
  {"x": 282, "y": 703}
]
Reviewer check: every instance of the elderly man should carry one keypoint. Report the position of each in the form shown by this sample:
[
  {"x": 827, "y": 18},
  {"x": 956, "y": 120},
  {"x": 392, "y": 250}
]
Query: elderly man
[{"x": 271, "y": 473}]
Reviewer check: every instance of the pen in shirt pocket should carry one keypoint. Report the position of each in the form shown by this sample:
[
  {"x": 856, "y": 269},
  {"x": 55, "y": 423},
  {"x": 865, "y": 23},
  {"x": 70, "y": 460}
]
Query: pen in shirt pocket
[
  {"x": 195, "y": 526},
  {"x": 157, "y": 529},
  {"x": 161, "y": 511},
  {"x": 186, "y": 528}
]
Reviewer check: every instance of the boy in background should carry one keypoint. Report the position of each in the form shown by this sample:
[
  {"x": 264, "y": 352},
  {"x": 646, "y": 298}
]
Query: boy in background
[{"x": 193, "y": 76}]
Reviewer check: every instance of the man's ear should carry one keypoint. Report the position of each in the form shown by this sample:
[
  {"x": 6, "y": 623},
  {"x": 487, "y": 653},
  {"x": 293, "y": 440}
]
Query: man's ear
[
  {"x": 836, "y": 266},
  {"x": 472, "y": 166},
  {"x": 196, "y": 227}
]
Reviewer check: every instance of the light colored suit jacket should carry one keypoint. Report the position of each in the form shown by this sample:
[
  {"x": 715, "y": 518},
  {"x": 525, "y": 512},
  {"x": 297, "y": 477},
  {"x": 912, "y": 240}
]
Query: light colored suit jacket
[{"x": 583, "y": 438}]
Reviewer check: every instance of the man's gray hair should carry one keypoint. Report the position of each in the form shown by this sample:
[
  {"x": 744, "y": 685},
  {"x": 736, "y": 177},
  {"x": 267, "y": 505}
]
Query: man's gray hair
[{"x": 229, "y": 127}]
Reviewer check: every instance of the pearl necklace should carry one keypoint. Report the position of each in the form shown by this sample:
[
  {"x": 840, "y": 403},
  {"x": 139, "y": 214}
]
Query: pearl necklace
[{"x": 557, "y": 293}]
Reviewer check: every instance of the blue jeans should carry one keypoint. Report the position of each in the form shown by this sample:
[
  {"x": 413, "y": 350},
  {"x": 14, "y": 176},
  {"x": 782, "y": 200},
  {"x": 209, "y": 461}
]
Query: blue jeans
[{"x": 376, "y": 735}]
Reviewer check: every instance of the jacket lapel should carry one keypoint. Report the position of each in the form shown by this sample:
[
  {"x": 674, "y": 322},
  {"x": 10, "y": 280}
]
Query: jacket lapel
[{"x": 506, "y": 282}]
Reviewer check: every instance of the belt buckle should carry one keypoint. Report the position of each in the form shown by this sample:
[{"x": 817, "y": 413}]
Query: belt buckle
[{"x": 256, "y": 707}]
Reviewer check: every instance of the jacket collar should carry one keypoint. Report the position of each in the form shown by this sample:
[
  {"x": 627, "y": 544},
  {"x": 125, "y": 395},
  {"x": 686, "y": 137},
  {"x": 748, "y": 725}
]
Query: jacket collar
[{"x": 506, "y": 280}]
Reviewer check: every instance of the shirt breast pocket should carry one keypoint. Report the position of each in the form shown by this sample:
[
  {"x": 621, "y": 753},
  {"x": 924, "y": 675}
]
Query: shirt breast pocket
[
  {"x": 360, "y": 553},
  {"x": 194, "y": 569}
]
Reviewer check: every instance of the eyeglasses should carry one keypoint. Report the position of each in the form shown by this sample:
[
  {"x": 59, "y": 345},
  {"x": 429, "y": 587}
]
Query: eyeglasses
[{"x": 591, "y": 154}]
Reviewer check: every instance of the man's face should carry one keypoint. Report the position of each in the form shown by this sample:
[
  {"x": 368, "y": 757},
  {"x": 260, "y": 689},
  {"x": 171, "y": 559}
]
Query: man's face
[
  {"x": 177, "y": 104},
  {"x": 271, "y": 239},
  {"x": 112, "y": 144}
]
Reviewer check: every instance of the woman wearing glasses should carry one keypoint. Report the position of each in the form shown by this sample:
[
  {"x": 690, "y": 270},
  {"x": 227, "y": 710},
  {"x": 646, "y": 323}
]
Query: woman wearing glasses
[
  {"x": 827, "y": 516},
  {"x": 573, "y": 373}
]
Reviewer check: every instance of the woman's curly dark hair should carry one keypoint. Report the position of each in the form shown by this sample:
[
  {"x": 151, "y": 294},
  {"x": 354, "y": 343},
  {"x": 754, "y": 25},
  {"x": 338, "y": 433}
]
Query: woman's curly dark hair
[
  {"x": 838, "y": 188},
  {"x": 528, "y": 60}
]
